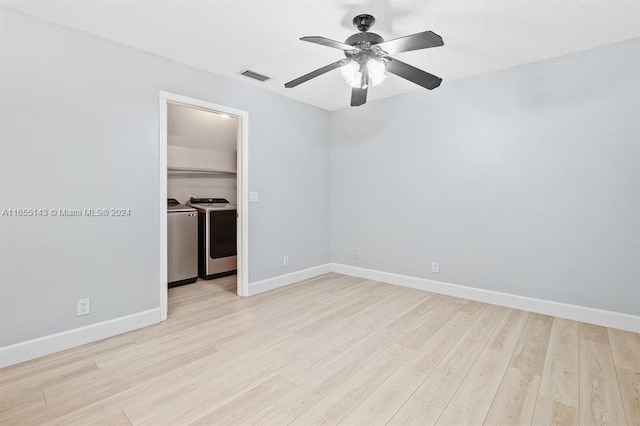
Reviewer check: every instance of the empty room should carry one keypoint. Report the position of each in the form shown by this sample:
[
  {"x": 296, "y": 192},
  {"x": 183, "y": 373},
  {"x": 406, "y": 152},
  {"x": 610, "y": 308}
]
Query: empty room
[{"x": 354, "y": 212}]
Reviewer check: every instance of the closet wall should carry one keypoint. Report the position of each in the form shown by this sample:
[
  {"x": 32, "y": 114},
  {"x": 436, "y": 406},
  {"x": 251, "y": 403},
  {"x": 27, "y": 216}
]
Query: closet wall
[{"x": 201, "y": 154}]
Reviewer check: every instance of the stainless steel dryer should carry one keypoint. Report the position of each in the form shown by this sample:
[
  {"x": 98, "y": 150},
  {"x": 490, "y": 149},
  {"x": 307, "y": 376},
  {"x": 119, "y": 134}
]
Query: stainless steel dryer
[{"x": 217, "y": 236}]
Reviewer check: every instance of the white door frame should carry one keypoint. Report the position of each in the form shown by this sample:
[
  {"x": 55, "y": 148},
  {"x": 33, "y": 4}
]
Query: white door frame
[{"x": 242, "y": 189}]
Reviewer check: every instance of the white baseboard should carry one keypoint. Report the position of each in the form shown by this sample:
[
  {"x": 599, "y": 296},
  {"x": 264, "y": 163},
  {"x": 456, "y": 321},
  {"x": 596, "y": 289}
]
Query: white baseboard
[
  {"x": 57, "y": 342},
  {"x": 547, "y": 307},
  {"x": 41, "y": 346},
  {"x": 283, "y": 280}
]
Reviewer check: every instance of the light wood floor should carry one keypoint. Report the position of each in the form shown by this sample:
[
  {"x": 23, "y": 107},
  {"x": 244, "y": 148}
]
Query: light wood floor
[{"x": 334, "y": 350}]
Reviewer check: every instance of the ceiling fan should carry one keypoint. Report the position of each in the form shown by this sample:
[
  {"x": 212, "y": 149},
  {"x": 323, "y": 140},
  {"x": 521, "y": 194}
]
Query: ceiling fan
[{"x": 367, "y": 59}]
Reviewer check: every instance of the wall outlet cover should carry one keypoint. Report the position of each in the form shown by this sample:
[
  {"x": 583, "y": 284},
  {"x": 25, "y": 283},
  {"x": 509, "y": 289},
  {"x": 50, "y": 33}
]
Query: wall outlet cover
[{"x": 84, "y": 307}]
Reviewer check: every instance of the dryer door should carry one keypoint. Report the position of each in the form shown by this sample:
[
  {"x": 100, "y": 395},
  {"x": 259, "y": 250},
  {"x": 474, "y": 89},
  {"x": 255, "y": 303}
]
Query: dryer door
[{"x": 222, "y": 233}]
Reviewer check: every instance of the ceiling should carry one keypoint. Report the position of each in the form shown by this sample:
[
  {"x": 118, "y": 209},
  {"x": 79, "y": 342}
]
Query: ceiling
[{"x": 228, "y": 36}]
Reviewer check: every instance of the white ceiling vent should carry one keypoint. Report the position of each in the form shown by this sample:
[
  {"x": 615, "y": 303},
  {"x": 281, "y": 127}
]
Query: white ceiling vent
[{"x": 255, "y": 75}]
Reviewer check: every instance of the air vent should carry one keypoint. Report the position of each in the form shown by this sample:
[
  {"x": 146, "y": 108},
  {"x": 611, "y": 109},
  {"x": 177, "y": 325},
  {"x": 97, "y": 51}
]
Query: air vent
[{"x": 255, "y": 75}]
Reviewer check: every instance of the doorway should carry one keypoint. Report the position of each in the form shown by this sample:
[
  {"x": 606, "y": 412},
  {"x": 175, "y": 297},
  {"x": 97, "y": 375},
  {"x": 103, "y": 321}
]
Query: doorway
[{"x": 242, "y": 191}]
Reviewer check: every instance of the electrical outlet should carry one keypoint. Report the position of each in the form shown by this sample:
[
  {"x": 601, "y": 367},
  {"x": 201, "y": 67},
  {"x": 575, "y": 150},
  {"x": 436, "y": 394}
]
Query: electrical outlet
[
  {"x": 285, "y": 260},
  {"x": 355, "y": 255},
  {"x": 435, "y": 267},
  {"x": 84, "y": 306}
]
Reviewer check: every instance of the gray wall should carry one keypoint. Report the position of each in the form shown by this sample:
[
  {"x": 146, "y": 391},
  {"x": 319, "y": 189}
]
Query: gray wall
[
  {"x": 524, "y": 181},
  {"x": 79, "y": 129}
]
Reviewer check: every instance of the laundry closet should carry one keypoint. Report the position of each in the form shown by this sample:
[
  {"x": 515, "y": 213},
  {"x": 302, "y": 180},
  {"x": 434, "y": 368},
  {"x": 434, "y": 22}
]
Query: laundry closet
[{"x": 202, "y": 147}]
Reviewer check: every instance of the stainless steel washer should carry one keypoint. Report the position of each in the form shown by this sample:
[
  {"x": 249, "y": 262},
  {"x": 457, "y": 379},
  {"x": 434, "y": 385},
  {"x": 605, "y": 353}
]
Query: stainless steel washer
[
  {"x": 217, "y": 236},
  {"x": 182, "y": 243}
]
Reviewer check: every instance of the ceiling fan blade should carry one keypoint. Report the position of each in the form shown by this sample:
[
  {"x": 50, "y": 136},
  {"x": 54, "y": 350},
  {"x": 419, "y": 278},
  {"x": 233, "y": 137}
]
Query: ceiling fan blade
[
  {"x": 358, "y": 96},
  {"x": 412, "y": 42},
  {"x": 314, "y": 74},
  {"x": 413, "y": 74},
  {"x": 328, "y": 42}
]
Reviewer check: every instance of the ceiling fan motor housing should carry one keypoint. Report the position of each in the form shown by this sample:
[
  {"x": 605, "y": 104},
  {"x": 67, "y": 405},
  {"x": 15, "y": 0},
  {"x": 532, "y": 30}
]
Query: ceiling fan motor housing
[
  {"x": 364, "y": 39},
  {"x": 365, "y": 48}
]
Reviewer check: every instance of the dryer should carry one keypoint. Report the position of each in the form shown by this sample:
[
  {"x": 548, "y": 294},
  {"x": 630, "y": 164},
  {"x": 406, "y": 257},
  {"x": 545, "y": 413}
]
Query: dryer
[{"x": 217, "y": 236}]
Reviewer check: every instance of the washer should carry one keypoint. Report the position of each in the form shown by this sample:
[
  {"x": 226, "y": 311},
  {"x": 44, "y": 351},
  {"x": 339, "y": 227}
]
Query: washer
[
  {"x": 182, "y": 243},
  {"x": 217, "y": 236}
]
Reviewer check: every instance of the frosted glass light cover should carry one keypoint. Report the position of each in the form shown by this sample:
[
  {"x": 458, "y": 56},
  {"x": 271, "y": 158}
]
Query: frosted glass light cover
[
  {"x": 352, "y": 74},
  {"x": 376, "y": 70}
]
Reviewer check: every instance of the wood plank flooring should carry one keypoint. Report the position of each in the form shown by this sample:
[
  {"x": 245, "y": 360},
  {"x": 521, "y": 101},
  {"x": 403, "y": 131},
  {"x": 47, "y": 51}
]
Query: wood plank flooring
[{"x": 334, "y": 350}]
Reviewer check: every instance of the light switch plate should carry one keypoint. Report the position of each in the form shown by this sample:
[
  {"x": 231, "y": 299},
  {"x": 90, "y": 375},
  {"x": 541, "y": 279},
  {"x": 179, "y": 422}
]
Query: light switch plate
[{"x": 254, "y": 197}]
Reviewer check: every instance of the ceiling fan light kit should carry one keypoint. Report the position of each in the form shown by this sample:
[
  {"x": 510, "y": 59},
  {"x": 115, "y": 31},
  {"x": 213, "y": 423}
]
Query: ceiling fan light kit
[
  {"x": 367, "y": 59},
  {"x": 361, "y": 74}
]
